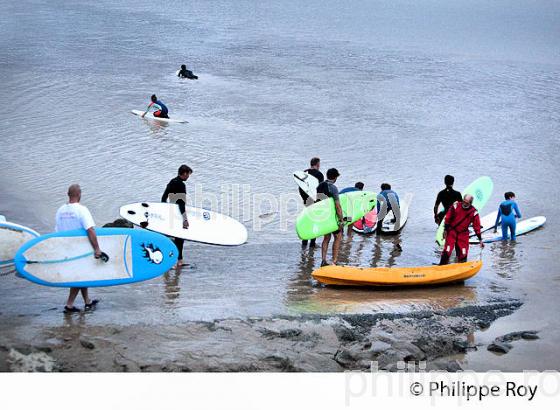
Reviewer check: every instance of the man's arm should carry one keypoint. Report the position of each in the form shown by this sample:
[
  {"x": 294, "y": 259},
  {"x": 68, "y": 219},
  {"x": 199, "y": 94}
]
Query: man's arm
[
  {"x": 339, "y": 212},
  {"x": 165, "y": 194},
  {"x": 476, "y": 226},
  {"x": 498, "y": 219},
  {"x": 92, "y": 236},
  {"x": 516, "y": 209},
  {"x": 147, "y": 109},
  {"x": 436, "y": 206}
]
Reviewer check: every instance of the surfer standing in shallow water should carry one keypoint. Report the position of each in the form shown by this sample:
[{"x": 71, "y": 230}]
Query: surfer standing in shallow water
[
  {"x": 176, "y": 192},
  {"x": 74, "y": 215},
  {"x": 327, "y": 189},
  {"x": 315, "y": 165},
  {"x": 456, "y": 234},
  {"x": 159, "y": 108},
  {"x": 507, "y": 212},
  {"x": 446, "y": 197}
]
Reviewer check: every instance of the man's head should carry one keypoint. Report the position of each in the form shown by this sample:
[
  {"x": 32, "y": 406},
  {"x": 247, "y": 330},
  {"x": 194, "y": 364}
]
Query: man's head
[
  {"x": 449, "y": 180},
  {"x": 154, "y": 98},
  {"x": 315, "y": 163},
  {"x": 509, "y": 195},
  {"x": 183, "y": 67},
  {"x": 359, "y": 185},
  {"x": 333, "y": 174},
  {"x": 184, "y": 172},
  {"x": 74, "y": 193},
  {"x": 467, "y": 201},
  {"x": 385, "y": 186}
]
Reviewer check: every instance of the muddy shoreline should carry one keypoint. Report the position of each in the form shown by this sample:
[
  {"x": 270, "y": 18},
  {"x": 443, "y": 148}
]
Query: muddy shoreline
[{"x": 309, "y": 343}]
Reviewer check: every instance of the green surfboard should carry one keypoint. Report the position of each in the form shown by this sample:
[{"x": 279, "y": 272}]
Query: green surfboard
[
  {"x": 481, "y": 189},
  {"x": 320, "y": 218}
]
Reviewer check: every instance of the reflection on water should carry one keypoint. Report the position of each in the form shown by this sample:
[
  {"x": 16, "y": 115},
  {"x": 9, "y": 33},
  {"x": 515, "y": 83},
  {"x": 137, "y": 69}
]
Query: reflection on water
[
  {"x": 386, "y": 250},
  {"x": 506, "y": 262},
  {"x": 172, "y": 289},
  {"x": 324, "y": 300}
]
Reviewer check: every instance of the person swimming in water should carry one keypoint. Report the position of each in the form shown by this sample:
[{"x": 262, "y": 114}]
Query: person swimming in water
[
  {"x": 507, "y": 212},
  {"x": 184, "y": 73},
  {"x": 160, "y": 109}
]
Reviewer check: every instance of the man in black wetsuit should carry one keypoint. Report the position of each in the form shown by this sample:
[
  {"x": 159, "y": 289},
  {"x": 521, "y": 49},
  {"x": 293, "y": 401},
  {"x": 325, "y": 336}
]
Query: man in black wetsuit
[
  {"x": 176, "y": 192},
  {"x": 184, "y": 73},
  {"x": 446, "y": 197},
  {"x": 313, "y": 170}
]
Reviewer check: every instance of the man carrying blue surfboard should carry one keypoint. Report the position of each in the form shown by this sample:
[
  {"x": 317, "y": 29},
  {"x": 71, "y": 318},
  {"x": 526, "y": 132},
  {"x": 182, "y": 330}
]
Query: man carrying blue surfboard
[
  {"x": 74, "y": 215},
  {"x": 176, "y": 192}
]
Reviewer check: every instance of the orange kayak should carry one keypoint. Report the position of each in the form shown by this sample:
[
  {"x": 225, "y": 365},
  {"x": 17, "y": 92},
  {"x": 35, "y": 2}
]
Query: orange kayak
[{"x": 412, "y": 276}]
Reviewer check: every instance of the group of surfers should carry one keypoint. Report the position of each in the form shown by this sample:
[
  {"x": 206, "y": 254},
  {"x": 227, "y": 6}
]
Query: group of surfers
[{"x": 458, "y": 214}]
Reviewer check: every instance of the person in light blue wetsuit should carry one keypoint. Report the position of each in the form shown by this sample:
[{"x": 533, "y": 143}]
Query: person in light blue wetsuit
[{"x": 507, "y": 212}]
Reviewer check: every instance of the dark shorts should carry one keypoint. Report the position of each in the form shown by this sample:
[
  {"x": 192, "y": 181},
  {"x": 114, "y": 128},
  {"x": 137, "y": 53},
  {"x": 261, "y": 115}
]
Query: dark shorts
[{"x": 160, "y": 114}]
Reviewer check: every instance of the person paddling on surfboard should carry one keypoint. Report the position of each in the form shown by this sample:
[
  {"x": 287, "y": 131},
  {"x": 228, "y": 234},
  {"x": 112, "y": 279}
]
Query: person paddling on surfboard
[
  {"x": 313, "y": 170},
  {"x": 459, "y": 217},
  {"x": 327, "y": 189},
  {"x": 507, "y": 212},
  {"x": 74, "y": 215},
  {"x": 184, "y": 73},
  {"x": 176, "y": 192},
  {"x": 446, "y": 197},
  {"x": 160, "y": 109}
]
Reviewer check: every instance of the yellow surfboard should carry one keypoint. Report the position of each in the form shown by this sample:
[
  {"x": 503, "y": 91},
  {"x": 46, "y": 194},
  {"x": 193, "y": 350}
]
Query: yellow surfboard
[{"x": 410, "y": 276}]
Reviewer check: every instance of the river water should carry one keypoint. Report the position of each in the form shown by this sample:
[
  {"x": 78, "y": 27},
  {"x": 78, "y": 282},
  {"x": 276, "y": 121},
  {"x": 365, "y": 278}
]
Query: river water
[{"x": 401, "y": 92}]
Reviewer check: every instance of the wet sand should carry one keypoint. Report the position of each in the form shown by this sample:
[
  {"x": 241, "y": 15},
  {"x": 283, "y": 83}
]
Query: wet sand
[{"x": 429, "y": 340}]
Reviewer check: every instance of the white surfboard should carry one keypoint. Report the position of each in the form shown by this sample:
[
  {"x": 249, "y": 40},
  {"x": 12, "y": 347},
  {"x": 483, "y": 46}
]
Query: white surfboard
[
  {"x": 150, "y": 116},
  {"x": 12, "y": 237},
  {"x": 308, "y": 183},
  {"x": 522, "y": 227},
  {"x": 395, "y": 221},
  {"x": 204, "y": 226},
  {"x": 486, "y": 223}
]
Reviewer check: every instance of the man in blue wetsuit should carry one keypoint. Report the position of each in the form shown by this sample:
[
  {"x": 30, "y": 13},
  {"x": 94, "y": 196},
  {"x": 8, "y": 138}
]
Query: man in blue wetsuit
[
  {"x": 507, "y": 212},
  {"x": 385, "y": 201},
  {"x": 358, "y": 186},
  {"x": 159, "y": 108}
]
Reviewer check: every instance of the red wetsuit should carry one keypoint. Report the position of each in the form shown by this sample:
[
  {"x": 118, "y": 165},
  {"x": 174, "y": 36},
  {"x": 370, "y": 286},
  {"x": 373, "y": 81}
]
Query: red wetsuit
[{"x": 457, "y": 222}]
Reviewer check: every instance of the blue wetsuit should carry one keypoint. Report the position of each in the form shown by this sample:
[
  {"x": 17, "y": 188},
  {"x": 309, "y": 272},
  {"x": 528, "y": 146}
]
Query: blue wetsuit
[
  {"x": 349, "y": 189},
  {"x": 507, "y": 212}
]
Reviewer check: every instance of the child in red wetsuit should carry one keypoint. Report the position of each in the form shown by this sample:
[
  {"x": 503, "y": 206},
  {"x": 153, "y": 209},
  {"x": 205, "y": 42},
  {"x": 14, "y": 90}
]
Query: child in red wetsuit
[{"x": 457, "y": 221}]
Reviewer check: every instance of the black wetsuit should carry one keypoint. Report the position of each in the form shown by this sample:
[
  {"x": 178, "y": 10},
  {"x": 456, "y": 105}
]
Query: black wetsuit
[
  {"x": 187, "y": 74},
  {"x": 319, "y": 175},
  {"x": 447, "y": 197},
  {"x": 176, "y": 188}
]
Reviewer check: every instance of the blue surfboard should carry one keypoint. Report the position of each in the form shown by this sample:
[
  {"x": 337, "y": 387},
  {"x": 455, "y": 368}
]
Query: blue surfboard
[{"x": 65, "y": 259}]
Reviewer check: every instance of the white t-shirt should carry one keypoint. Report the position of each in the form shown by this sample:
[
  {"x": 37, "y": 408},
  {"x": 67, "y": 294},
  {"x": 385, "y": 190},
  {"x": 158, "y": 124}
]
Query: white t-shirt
[{"x": 73, "y": 216}]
